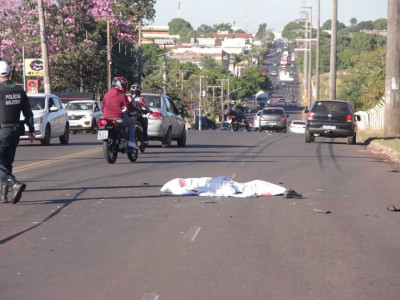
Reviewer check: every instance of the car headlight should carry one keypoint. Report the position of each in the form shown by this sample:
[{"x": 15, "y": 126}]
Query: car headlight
[{"x": 38, "y": 120}]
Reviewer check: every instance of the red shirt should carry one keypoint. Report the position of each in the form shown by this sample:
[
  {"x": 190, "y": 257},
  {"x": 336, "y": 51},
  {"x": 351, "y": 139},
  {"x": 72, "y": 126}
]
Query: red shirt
[{"x": 114, "y": 101}]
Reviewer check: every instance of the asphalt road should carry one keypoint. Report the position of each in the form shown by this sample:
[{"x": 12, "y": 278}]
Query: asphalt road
[{"x": 85, "y": 229}]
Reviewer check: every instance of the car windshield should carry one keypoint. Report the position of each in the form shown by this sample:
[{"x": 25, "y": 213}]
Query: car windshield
[
  {"x": 273, "y": 112},
  {"x": 79, "y": 106},
  {"x": 152, "y": 100},
  {"x": 331, "y": 106},
  {"x": 37, "y": 103}
]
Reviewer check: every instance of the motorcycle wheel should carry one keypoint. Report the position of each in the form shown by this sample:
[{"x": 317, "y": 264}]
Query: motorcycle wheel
[
  {"x": 133, "y": 154},
  {"x": 109, "y": 152},
  {"x": 235, "y": 126}
]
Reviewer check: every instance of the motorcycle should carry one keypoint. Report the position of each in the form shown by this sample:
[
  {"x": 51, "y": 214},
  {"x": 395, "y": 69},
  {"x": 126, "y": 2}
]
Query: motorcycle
[
  {"x": 115, "y": 139},
  {"x": 237, "y": 122}
]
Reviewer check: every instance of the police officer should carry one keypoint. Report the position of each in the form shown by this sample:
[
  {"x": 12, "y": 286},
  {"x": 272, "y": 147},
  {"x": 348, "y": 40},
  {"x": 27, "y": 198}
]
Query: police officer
[{"x": 13, "y": 100}]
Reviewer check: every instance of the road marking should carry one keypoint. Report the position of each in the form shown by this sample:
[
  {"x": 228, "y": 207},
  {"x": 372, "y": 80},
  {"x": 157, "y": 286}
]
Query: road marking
[
  {"x": 53, "y": 160},
  {"x": 234, "y": 175},
  {"x": 150, "y": 297},
  {"x": 242, "y": 163},
  {"x": 192, "y": 233}
]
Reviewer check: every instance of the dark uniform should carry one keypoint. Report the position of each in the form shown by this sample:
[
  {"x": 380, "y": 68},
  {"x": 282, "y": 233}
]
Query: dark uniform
[{"x": 13, "y": 100}]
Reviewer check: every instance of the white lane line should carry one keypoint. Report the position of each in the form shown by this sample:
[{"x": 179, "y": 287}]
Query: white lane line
[
  {"x": 150, "y": 297},
  {"x": 234, "y": 175},
  {"x": 192, "y": 233}
]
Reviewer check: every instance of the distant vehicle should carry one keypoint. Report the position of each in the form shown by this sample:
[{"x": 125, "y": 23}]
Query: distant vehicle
[
  {"x": 50, "y": 119},
  {"x": 83, "y": 115},
  {"x": 274, "y": 73},
  {"x": 276, "y": 63},
  {"x": 281, "y": 102},
  {"x": 165, "y": 122},
  {"x": 331, "y": 118},
  {"x": 293, "y": 103},
  {"x": 256, "y": 120},
  {"x": 273, "y": 118},
  {"x": 297, "y": 126}
]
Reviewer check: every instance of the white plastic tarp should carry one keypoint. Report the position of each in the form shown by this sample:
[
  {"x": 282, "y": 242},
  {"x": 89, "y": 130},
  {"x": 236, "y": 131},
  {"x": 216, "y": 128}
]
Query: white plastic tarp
[{"x": 221, "y": 186}]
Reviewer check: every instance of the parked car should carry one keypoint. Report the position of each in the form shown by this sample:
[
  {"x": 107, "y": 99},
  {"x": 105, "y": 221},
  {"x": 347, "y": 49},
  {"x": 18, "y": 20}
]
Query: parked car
[
  {"x": 165, "y": 121},
  {"x": 331, "y": 118},
  {"x": 297, "y": 126},
  {"x": 256, "y": 120},
  {"x": 273, "y": 118},
  {"x": 83, "y": 115},
  {"x": 273, "y": 73},
  {"x": 50, "y": 118}
]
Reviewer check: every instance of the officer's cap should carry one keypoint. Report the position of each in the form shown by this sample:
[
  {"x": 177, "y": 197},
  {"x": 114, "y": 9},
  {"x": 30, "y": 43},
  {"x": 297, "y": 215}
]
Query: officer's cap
[{"x": 4, "y": 69}]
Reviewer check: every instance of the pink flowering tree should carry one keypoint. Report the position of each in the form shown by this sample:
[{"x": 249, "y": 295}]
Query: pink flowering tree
[{"x": 76, "y": 37}]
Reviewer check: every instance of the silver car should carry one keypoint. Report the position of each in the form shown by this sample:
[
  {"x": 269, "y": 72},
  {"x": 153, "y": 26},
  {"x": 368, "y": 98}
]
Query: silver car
[
  {"x": 165, "y": 120},
  {"x": 273, "y": 118}
]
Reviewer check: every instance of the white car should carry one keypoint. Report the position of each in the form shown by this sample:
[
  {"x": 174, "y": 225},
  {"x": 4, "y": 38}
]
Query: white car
[
  {"x": 83, "y": 115},
  {"x": 256, "y": 120},
  {"x": 297, "y": 126},
  {"x": 273, "y": 73},
  {"x": 50, "y": 119}
]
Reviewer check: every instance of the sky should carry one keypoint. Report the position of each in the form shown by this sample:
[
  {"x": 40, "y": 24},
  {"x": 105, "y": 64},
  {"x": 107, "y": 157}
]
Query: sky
[{"x": 249, "y": 14}]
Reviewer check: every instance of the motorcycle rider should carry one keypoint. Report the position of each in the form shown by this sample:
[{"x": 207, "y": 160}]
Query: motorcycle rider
[
  {"x": 113, "y": 104},
  {"x": 136, "y": 90}
]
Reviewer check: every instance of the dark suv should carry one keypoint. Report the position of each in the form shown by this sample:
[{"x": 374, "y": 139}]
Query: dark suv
[{"x": 331, "y": 118}]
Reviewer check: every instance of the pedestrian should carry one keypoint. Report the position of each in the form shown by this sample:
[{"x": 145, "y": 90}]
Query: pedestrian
[{"x": 13, "y": 101}]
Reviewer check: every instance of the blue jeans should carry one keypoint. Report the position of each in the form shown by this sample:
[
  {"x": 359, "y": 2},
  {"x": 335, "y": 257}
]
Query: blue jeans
[
  {"x": 9, "y": 139},
  {"x": 130, "y": 123}
]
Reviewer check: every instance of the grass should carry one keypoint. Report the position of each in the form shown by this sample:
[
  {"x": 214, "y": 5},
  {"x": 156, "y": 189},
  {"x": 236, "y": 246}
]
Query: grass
[{"x": 380, "y": 143}]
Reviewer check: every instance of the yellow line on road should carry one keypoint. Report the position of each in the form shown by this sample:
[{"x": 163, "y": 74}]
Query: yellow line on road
[{"x": 54, "y": 160}]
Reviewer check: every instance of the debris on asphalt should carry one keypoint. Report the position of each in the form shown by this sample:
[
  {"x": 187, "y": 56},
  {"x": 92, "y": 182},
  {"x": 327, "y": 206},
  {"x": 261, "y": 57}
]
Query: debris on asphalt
[
  {"x": 322, "y": 211},
  {"x": 393, "y": 208},
  {"x": 292, "y": 194},
  {"x": 394, "y": 171},
  {"x": 207, "y": 201}
]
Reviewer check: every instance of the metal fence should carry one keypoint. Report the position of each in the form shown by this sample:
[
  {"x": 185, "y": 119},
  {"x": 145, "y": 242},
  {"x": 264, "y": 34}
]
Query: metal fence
[{"x": 373, "y": 118}]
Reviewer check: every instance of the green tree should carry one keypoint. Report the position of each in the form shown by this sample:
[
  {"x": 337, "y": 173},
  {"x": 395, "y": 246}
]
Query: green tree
[
  {"x": 364, "y": 83},
  {"x": 205, "y": 30},
  {"x": 380, "y": 24},
  {"x": 223, "y": 27},
  {"x": 290, "y": 31},
  {"x": 328, "y": 25},
  {"x": 177, "y": 25},
  {"x": 353, "y": 21}
]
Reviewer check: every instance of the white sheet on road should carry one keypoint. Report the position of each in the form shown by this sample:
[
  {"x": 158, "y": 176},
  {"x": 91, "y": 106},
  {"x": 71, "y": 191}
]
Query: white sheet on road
[{"x": 221, "y": 186}]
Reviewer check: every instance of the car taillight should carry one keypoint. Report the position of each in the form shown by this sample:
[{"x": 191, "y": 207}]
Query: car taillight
[
  {"x": 102, "y": 124},
  {"x": 349, "y": 118},
  {"x": 310, "y": 116},
  {"x": 155, "y": 116},
  {"x": 283, "y": 118}
]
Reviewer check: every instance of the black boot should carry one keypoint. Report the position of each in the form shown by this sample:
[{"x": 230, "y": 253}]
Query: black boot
[
  {"x": 16, "y": 189},
  {"x": 3, "y": 192}
]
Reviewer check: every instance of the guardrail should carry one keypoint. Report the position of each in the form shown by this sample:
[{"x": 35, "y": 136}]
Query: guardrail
[{"x": 372, "y": 118}]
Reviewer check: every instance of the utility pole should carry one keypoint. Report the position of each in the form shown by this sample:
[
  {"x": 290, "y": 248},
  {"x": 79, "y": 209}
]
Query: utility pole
[
  {"x": 309, "y": 78},
  {"x": 164, "y": 86},
  {"x": 43, "y": 43},
  {"x": 392, "y": 91},
  {"x": 332, "y": 94},
  {"x": 213, "y": 87},
  {"x": 200, "y": 94},
  {"x": 108, "y": 55},
  {"x": 317, "y": 50},
  {"x": 305, "y": 60},
  {"x": 140, "y": 64}
]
